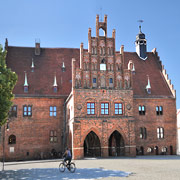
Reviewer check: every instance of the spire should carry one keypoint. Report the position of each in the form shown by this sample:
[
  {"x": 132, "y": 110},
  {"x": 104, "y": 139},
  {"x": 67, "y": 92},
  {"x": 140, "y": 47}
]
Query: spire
[
  {"x": 25, "y": 83},
  {"x": 32, "y": 66},
  {"x": 141, "y": 43},
  {"x": 148, "y": 87}
]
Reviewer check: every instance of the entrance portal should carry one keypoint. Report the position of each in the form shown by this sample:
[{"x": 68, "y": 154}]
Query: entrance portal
[
  {"x": 116, "y": 144},
  {"x": 92, "y": 146}
]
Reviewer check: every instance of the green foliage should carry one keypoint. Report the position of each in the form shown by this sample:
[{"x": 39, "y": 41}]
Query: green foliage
[{"x": 8, "y": 80}]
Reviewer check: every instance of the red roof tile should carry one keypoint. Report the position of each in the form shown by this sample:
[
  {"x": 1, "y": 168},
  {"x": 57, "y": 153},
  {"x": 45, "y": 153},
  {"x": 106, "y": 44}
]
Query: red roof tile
[
  {"x": 151, "y": 67},
  {"x": 40, "y": 82}
]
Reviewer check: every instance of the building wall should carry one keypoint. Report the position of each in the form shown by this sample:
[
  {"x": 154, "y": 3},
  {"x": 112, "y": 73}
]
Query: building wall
[
  {"x": 33, "y": 133},
  {"x": 178, "y": 131},
  {"x": 103, "y": 125},
  {"x": 151, "y": 121}
]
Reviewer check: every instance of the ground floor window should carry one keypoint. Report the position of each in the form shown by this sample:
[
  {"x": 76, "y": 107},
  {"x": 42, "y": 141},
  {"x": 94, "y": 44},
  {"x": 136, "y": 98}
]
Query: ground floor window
[
  {"x": 53, "y": 136},
  {"x": 12, "y": 139}
]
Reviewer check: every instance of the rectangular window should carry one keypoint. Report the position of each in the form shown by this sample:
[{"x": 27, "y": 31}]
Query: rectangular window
[
  {"x": 52, "y": 111},
  {"x": 27, "y": 110},
  {"x": 105, "y": 108},
  {"x": 143, "y": 133},
  {"x": 94, "y": 80},
  {"x": 160, "y": 133},
  {"x": 13, "y": 111},
  {"x": 159, "y": 110},
  {"x": 111, "y": 80},
  {"x": 142, "y": 110},
  {"x": 90, "y": 108},
  {"x": 118, "y": 108},
  {"x": 53, "y": 136}
]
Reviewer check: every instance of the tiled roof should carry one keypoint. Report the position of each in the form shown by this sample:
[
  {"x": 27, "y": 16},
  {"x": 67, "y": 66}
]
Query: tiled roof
[
  {"x": 151, "y": 67},
  {"x": 40, "y": 82},
  {"x": 50, "y": 61}
]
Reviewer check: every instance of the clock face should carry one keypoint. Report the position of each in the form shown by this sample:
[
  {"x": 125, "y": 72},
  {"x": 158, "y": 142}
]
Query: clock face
[{"x": 103, "y": 67}]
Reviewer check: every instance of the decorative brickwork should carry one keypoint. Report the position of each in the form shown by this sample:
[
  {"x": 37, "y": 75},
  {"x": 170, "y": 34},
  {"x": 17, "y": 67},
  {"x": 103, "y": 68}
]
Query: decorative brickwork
[{"x": 97, "y": 101}]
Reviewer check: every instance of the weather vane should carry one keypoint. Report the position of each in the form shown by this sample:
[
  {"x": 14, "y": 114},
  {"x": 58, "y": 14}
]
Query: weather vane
[{"x": 140, "y": 22}]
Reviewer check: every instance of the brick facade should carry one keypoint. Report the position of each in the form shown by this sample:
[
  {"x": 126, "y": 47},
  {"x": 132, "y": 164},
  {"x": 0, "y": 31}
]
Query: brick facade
[
  {"x": 107, "y": 103},
  {"x": 33, "y": 133}
]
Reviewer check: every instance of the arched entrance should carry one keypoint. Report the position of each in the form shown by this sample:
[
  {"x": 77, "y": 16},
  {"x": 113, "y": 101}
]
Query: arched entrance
[
  {"x": 156, "y": 150},
  {"x": 116, "y": 144},
  {"x": 92, "y": 146}
]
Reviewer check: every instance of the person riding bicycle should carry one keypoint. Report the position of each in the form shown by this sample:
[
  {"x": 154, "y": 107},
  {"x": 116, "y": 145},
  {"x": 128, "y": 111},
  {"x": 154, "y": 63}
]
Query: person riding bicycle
[{"x": 68, "y": 156}]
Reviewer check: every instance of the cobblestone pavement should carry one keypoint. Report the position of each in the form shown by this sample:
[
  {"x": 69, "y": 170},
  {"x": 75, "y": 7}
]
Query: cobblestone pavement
[{"x": 139, "y": 168}]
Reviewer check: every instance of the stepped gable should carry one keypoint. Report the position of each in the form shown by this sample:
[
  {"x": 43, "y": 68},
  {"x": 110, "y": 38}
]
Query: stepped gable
[
  {"x": 49, "y": 62},
  {"x": 152, "y": 68}
]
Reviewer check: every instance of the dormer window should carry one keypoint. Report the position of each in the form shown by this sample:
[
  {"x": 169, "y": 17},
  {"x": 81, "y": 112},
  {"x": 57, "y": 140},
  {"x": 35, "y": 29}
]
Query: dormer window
[
  {"x": 25, "y": 83},
  {"x": 103, "y": 65},
  {"x": 63, "y": 67}
]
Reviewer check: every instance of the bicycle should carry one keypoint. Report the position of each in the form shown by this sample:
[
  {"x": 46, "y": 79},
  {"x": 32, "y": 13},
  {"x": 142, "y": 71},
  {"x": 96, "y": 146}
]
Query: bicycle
[{"x": 63, "y": 165}]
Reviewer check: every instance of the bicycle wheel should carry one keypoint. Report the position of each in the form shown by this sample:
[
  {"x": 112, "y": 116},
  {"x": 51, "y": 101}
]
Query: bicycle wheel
[
  {"x": 72, "y": 167},
  {"x": 61, "y": 167}
]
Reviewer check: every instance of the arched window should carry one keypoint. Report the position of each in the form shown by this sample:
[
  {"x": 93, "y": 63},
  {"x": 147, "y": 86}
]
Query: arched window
[
  {"x": 101, "y": 32},
  {"x": 12, "y": 139},
  {"x": 103, "y": 65}
]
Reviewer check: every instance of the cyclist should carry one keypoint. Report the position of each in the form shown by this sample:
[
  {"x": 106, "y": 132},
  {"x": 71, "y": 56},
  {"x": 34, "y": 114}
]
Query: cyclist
[{"x": 67, "y": 156}]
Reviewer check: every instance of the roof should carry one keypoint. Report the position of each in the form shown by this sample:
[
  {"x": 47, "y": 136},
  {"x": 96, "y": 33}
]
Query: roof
[
  {"x": 41, "y": 81},
  {"x": 152, "y": 68}
]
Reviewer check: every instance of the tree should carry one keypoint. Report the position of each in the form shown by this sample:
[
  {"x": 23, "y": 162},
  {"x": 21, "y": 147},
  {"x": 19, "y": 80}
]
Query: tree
[{"x": 8, "y": 80}]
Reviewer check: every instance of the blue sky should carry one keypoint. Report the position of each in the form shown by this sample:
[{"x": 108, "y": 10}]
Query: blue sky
[{"x": 65, "y": 23}]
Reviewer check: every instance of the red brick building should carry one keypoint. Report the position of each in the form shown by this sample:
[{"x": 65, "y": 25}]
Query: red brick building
[{"x": 97, "y": 101}]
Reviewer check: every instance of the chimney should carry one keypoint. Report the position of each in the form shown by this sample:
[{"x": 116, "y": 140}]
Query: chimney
[
  {"x": 6, "y": 44},
  {"x": 37, "y": 48}
]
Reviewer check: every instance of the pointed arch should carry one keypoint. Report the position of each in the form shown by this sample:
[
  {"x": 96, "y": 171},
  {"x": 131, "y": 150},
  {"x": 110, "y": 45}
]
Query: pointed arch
[
  {"x": 92, "y": 145},
  {"x": 116, "y": 144}
]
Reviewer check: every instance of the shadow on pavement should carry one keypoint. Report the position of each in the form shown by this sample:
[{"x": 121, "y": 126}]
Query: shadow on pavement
[{"x": 53, "y": 173}]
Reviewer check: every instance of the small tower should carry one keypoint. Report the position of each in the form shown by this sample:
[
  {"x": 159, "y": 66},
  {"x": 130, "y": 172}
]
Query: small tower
[
  {"x": 25, "y": 83},
  {"x": 141, "y": 45}
]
